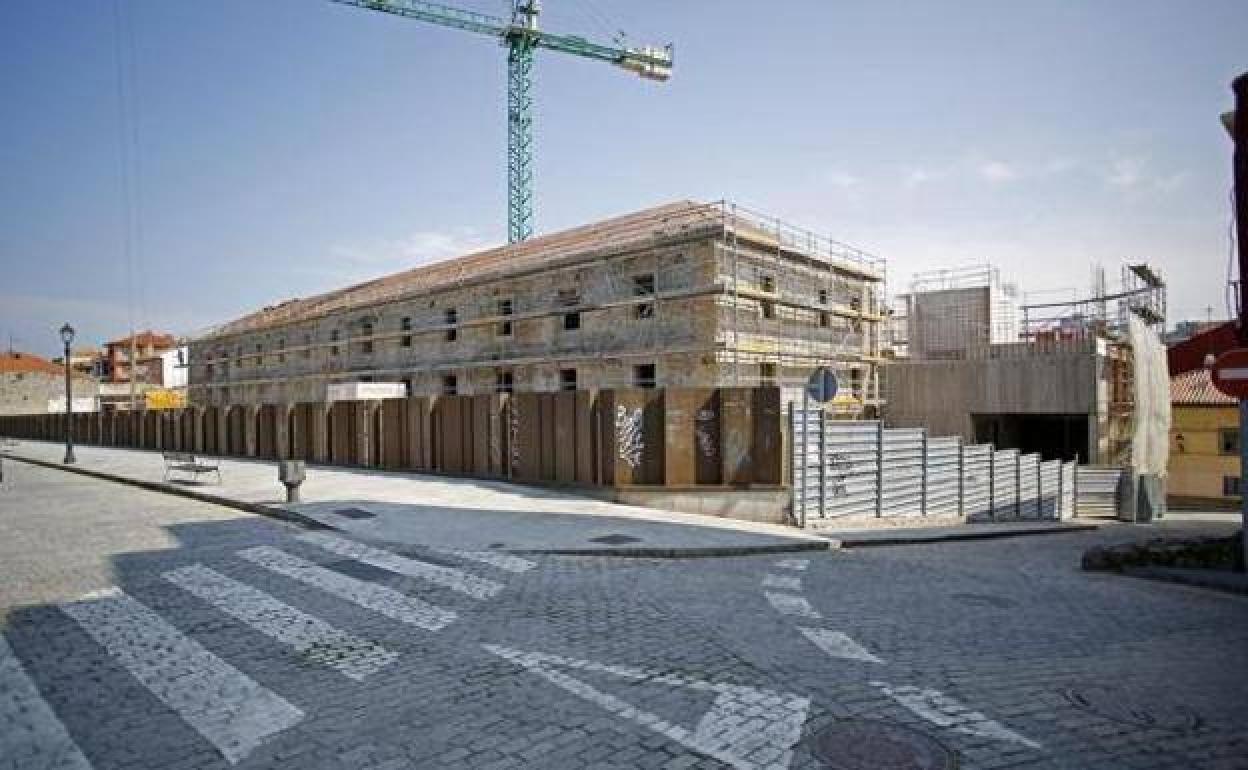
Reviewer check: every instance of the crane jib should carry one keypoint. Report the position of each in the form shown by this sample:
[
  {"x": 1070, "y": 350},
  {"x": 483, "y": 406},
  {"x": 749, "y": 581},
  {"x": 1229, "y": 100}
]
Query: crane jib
[{"x": 521, "y": 36}]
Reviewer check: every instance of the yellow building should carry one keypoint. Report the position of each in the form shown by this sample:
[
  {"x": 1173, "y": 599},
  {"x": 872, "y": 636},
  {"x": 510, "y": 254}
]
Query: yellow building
[{"x": 1204, "y": 443}]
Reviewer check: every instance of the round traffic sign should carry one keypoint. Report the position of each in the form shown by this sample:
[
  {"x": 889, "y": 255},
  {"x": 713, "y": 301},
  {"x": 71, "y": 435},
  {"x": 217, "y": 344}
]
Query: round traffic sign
[
  {"x": 1230, "y": 373},
  {"x": 822, "y": 385}
]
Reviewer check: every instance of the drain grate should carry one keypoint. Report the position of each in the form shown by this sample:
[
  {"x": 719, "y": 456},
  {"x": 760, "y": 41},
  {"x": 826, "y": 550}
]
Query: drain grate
[
  {"x": 1133, "y": 709},
  {"x": 863, "y": 744},
  {"x": 615, "y": 539},
  {"x": 355, "y": 513},
  {"x": 986, "y": 600}
]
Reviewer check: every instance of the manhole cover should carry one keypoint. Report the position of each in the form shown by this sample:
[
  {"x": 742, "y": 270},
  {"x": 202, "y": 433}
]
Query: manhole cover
[
  {"x": 1132, "y": 709},
  {"x": 615, "y": 539},
  {"x": 986, "y": 600},
  {"x": 355, "y": 513},
  {"x": 861, "y": 744}
]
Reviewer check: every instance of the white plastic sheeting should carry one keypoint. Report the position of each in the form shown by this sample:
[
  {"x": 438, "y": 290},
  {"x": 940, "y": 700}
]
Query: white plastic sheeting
[{"x": 1150, "y": 440}]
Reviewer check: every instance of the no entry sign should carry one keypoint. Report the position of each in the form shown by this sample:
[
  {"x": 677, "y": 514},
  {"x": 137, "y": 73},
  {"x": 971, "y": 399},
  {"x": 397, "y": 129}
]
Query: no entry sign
[{"x": 1230, "y": 373}]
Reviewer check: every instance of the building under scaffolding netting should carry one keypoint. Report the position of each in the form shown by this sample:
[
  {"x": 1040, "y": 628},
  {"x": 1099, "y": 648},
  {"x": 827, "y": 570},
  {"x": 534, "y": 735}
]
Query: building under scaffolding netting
[{"x": 1057, "y": 377}]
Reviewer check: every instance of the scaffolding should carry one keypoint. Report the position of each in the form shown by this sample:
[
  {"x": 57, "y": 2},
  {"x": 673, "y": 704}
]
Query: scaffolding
[
  {"x": 1106, "y": 313},
  {"x": 796, "y": 301}
]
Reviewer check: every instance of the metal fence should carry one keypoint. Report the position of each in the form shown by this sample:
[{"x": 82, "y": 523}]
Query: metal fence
[{"x": 847, "y": 468}]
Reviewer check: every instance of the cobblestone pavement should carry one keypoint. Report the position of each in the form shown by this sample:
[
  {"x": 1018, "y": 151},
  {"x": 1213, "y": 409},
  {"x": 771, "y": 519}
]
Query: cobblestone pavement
[{"x": 142, "y": 631}]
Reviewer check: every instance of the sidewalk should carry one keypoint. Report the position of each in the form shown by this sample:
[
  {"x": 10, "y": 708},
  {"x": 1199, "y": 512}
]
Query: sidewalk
[{"x": 442, "y": 512}]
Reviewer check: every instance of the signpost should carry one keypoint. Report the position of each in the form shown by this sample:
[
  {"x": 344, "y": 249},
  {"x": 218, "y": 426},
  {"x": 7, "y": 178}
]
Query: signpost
[{"x": 820, "y": 388}]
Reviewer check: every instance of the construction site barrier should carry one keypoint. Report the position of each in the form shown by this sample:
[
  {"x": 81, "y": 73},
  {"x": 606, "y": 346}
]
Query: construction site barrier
[{"x": 671, "y": 437}]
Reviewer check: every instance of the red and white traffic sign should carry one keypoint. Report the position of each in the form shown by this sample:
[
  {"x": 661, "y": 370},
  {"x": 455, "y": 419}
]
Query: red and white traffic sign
[{"x": 1230, "y": 373}]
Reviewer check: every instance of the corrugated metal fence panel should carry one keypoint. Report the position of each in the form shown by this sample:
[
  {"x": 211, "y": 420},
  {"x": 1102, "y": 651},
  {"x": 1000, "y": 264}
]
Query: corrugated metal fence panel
[
  {"x": 903, "y": 472},
  {"x": 977, "y": 482},
  {"x": 1098, "y": 490},
  {"x": 1005, "y": 485},
  {"x": 805, "y": 462},
  {"x": 1068, "y": 491},
  {"x": 943, "y": 468},
  {"x": 1029, "y": 486},
  {"x": 1050, "y": 489},
  {"x": 852, "y": 468}
]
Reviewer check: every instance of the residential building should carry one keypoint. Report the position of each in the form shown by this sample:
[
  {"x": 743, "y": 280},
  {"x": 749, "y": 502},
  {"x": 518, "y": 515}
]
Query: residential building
[
  {"x": 30, "y": 384},
  {"x": 1204, "y": 468}
]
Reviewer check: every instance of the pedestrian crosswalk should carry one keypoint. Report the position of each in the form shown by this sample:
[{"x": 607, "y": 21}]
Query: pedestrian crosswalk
[
  {"x": 307, "y": 634},
  {"x": 373, "y": 596},
  {"x": 221, "y": 702}
]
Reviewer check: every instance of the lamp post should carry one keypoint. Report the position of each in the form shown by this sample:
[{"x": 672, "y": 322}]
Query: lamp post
[{"x": 67, "y": 336}]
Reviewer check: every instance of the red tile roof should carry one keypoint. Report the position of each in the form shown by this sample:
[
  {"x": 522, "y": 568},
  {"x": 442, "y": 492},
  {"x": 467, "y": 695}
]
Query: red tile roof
[
  {"x": 1195, "y": 388},
  {"x": 146, "y": 339},
  {"x": 13, "y": 362}
]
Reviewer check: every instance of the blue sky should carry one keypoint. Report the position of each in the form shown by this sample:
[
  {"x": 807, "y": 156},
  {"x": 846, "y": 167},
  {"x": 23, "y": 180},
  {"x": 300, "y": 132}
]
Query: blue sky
[{"x": 286, "y": 147}]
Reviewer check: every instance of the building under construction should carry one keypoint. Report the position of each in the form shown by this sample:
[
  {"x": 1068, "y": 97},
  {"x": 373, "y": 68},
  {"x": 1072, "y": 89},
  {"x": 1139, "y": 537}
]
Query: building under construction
[
  {"x": 1058, "y": 378},
  {"x": 685, "y": 294}
]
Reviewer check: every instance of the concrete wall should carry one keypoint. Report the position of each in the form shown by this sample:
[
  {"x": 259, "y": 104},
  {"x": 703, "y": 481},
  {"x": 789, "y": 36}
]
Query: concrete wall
[
  {"x": 30, "y": 392},
  {"x": 942, "y": 395}
]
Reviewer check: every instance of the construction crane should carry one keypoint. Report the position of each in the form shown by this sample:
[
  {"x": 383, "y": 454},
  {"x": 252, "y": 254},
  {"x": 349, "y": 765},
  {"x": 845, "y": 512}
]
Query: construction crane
[{"x": 522, "y": 37}]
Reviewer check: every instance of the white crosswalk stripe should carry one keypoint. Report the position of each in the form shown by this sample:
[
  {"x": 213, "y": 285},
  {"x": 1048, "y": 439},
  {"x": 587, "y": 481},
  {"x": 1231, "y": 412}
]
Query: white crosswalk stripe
[
  {"x": 503, "y": 561},
  {"x": 377, "y": 598},
  {"x": 31, "y": 737},
  {"x": 316, "y": 640},
  {"x": 943, "y": 711},
  {"x": 795, "y": 564},
  {"x": 791, "y": 605},
  {"x": 226, "y": 707},
  {"x": 454, "y": 579},
  {"x": 783, "y": 582},
  {"x": 838, "y": 645}
]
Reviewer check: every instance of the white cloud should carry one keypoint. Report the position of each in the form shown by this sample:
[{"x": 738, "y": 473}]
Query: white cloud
[
  {"x": 1137, "y": 174},
  {"x": 842, "y": 179},
  {"x": 418, "y": 248},
  {"x": 997, "y": 171},
  {"x": 1125, "y": 172},
  {"x": 916, "y": 177}
]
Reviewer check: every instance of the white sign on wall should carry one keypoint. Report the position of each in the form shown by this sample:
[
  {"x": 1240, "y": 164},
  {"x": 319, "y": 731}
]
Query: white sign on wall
[{"x": 365, "y": 391}]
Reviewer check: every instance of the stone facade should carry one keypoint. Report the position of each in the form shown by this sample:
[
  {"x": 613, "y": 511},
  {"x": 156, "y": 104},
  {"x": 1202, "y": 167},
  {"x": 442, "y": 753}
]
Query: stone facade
[
  {"x": 30, "y": 384},
  {"x": 612, "y": 305}
]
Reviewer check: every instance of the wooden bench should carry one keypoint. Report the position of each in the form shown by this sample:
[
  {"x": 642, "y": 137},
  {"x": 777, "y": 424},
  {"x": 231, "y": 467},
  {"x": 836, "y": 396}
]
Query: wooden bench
[{"x": 185, "y": 462}]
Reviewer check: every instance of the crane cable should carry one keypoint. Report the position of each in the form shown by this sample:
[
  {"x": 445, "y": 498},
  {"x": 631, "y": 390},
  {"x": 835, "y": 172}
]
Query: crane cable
[{"x": 130, "y": 169}]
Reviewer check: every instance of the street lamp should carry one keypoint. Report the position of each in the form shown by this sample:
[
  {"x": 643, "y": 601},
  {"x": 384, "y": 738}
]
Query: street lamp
[{"x": 67, "y": 336}]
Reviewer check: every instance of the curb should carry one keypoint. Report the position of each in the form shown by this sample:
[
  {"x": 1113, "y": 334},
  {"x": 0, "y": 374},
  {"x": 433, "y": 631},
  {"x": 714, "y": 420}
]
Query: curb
[
  {"x": 1162, "y": 575},
  {"x": 170, "y": 489},
  {"x": 683, "y": 553},
  {"x": 872, "y": 542},
  {"x": 293, "y": 517}
]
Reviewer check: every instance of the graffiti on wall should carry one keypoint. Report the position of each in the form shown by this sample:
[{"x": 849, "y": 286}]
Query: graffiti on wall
[
  {"x": 513, "y": 433},
  {"x": 703, "y": 428},
  {"x": 629, "y": 441}
]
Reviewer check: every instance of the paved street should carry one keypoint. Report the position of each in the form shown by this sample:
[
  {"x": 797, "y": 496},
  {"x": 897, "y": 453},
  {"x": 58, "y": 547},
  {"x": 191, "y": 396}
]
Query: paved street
[{"x": 149, "y": 631}]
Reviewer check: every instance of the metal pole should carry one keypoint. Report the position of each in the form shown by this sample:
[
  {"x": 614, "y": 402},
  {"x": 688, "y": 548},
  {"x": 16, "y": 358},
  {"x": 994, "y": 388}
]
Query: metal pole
[
  {"x": 992, "y": 480},
  {"x": 69, "y": 411},
  {"x": 1239, "y": 132},
  {"x": 823, "y": 464},
  {"x": 879, "y": 468},
  {"x": 805, "y": 458}
]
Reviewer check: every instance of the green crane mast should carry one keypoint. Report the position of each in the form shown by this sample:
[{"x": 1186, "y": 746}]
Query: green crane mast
[{"x": 522, "y": 37}]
